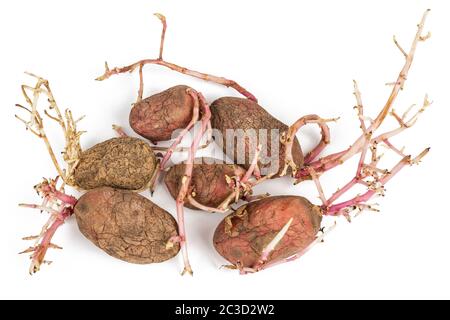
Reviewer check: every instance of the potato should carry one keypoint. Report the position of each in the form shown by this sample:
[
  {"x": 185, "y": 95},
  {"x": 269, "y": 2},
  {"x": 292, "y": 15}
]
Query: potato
[
  {"x": 208, "y": 181},
  {"x": 241, "y": 237},
  {"x": 124, "y": 163},
  {"x": 238, "y": 113},
  {"x": 126, "y": 225},
  {"x": 159, "y": 115}
]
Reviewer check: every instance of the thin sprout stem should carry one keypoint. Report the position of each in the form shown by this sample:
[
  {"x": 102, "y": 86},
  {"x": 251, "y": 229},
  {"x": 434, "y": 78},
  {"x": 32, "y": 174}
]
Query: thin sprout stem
[
  {"x": 361, "y": 199},
  {"x": 162, "y": 18},
  {"x": 244, "y": 182},
  {"x": 170, "y": 151},
  {"x": 61, "y": 207},
  {"x": 186, "y": 179},
  {"x": 72, "y": 149},
  {"x": 328, "y": 163},
  {"x": 316, "y": 180},
  {"x": 342, "y": 191},
  {"x": 159, "y": 61},
  {"x": 272, "y": 245},
  {"x": 40, "y": 207},
  {"x": 393, "y": 148},
  {"x": 119, "y": 130},
  {"x": 297, "y": 255},
  {"x": 288, "y": 140},
  {"x": 362, "y": 158},
  {"x": 202, "y": 207},
  {"x": 359, "y": 106},
  {"x": 141, "y": 84},
  {"x": 253, "y": 165},
  {"x": 359, "y": 143}
]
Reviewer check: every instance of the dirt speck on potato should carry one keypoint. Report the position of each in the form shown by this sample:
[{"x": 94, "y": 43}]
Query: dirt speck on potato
[
  {"x": 126, "y": 225},
  {"x": 208, "y": 181},
  {"x": 159, "y": 115},
  {"x": 241, "y": 237},
  {"x": 244, "y": 114},
  {"x": 124, "y": 163}
]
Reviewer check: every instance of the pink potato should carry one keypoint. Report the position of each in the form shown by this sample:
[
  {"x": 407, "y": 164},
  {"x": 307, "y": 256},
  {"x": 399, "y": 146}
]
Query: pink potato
[
  {"x": 158, "y": 116},
  {"x": 229, "y": 113},
  {"x": 242, "y": 236},
  {"x": 208, "y": 184}
]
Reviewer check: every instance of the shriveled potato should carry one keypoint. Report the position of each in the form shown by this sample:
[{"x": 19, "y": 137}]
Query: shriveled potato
[
  {"x": 229, "y": 113},
  {"x": 242, "y": 236},
  {"x": 208, "y": 183},
  {"x": 124, "y": 163},
  {"x": 159, "y": 115},
  {"x": 126, "y": 225}
]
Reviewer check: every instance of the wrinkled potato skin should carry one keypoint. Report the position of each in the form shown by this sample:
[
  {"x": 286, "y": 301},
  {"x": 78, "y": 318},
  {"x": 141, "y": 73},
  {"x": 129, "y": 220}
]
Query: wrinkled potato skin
[
  {"x": 159, "y": 115},
  {"x": 261, "y": 221},
  {"x": 240, "y": 113},
  {"x": 208, "y": 181},
  {"x": 124, "y": 163},
  {"x": 126, "y": 225}
]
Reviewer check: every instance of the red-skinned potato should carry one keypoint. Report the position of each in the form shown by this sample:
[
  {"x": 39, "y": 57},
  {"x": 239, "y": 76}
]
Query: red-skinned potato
[
  {"x": 126, "y": 225},
  {"x": 245, "y": 114},
  {"x": 243, "y": 235},
  {"x": 159, "y": 115},
  {"x": 208, "y": 183}
]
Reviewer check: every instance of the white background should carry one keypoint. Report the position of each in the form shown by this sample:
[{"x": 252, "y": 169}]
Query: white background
[{"x": 297, "y": 57}]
